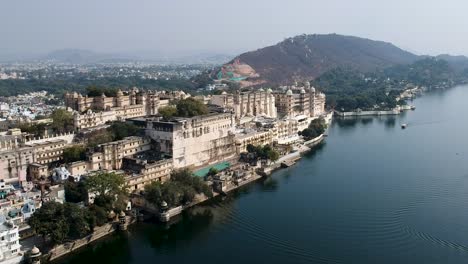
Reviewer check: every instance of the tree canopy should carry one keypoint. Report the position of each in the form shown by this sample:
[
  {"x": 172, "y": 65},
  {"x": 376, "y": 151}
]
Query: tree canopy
[
  {"x": 75, "y": 192},
  {"x": 180, "y": 189},
  {"x": 61, "y": 85},
  {"x": 74, "y": 153},
  {"x": 315, "y": 129},
  {"x": 190, "y": 107},
  {"x": 116, "y": 131},
  {"x": 265, "y": 152},
  {"x": 93, "y": 91},
  {"x": 59, "y": 222},
  {"x": 168, "y": 111},
  {"x": 35, "y": 129},
  {"x": 348, "y": 89},
  {"x": 121, "y": 130},
  {"x": 110, "y": 190},
  {"x": 62, "y": 120}
]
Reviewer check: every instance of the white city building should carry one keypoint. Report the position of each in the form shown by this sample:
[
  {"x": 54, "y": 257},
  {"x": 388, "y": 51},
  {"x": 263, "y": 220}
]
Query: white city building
[{"x": 10, "y": 248}]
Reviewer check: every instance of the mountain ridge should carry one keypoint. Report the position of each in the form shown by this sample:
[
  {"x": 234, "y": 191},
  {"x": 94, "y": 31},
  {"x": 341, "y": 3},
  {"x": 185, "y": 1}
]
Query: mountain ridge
[{"x": 308, "y": 56}]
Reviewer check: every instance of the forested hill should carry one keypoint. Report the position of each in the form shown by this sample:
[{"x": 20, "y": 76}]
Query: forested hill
[
  {"x": 348, "y": 89},
  {"x": 309, "y": 56}
]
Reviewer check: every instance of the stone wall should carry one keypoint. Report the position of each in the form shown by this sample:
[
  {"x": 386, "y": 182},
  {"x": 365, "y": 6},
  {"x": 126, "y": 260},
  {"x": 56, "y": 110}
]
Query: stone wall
[
  {"x": 368, "y": 113},
  {"x": 68, "y": 137},
  {"x": 99, "y": 232}
]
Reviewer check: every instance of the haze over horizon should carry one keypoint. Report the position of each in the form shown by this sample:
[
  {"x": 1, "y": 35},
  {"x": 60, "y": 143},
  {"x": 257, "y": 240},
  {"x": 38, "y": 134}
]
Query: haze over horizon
[{"x": 171, "y": 27}]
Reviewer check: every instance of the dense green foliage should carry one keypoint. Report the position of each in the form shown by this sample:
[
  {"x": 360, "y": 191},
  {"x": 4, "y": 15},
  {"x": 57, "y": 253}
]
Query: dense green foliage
[
  {"x": 191, "y": 107},
  {"x": 168, "y": 111},
  {"x": 60, "y": 222},
  {"x": 188, "y": 107},
  {"x": 116, "y": 131},
  {"x": 315, "y": 129},
  {"x": 265, "y": 152},
  {"x": 94, "y": 91},
  {"x": 74, "y": 153},
  {"x": 348, "y": 90},
  {"x": 120, "y": 130},
  {"x": 428, "y": 72},
  {"x": 212, "y": 171},
  {"x": 75, "y": 192},
  {"x": 110, "y": 190},
  {"x": 98, "y": 137},
  {"x": 180, "y": 189},
  {"x": 60, "y": 86},
  {"x": 62, "y": 120},
  {"x": 37, "y": 130}
]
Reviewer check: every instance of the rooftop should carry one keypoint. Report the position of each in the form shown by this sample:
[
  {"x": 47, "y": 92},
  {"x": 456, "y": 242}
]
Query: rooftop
[{"x": 220, "y": 166}]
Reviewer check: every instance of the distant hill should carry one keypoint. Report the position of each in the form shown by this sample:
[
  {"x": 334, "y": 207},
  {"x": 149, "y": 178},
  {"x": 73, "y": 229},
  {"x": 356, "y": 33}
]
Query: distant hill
[
  {"x": 458, "y": 63},
  {"x": 308, "y": 56}
]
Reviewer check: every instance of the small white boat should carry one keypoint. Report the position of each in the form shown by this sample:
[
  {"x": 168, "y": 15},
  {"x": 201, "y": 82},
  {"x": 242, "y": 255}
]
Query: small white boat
[
  {"x": 413, "y": 107},
  {"x": 403, "y": 126}
]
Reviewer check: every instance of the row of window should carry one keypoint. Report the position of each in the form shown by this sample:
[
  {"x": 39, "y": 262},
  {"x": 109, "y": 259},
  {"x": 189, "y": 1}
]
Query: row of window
[{"x": 48, "y": 154}]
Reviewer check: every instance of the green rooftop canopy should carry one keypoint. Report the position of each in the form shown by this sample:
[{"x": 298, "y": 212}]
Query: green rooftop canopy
[{"x": 220, "y": 166}]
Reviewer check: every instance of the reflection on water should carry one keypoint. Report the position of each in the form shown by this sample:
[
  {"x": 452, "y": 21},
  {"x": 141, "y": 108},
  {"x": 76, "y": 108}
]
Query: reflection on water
[
  {"x": 316, "y": 150},
  {"x": 189, "y": 225},
  {"x": 269, "y": 185},
  {"x": 367, "y": 120},
  {"x": 346, "y": 122},
  {"x": 390, "y": 122},
  {"x": 112, "y": 249}
]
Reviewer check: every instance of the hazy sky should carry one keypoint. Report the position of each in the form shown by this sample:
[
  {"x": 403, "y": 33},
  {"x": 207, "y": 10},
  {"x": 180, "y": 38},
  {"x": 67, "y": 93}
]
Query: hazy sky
[{"x": 39, "y": 26}]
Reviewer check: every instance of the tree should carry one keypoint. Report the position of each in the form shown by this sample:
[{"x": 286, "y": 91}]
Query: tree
[
  {"x": 77, "y": 218},
  {"x": 251, "y": 148},
  {"x": 75, "y": 192},
  {"x": 98, "y": 137},
  {"x": 62, "y": 120},
  {"x": 59, "y": 222},
  {"x": 266, "y": 152},
  {"x": 180, "y": 189},
  {"x": 74, "y": 153},
  {"x": 94, "y": 91},
  {"x": 191, "y": 107},
  {"x": 49, "y": 221},
  {"x": 169, "y": 192},
  {"x": 97, "y": 215},
  {"x": 153, "y": 193},
  {"x": 35, "y": 129},
  {"x": 110, "y": 190},
  {"x": 120, "y": 130},
  {"x": 273, "y": 155},
  {"x": 167, "y": 111},
  {"x": 212, "y": 171},
  {"x": 315, "y": 129}
]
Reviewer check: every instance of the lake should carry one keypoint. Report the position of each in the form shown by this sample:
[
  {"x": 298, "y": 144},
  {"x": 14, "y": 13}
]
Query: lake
[{"x": 372, "y": 193}]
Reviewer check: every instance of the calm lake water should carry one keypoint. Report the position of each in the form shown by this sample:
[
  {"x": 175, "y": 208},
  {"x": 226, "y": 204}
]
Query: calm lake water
[{"x": 373, "y": 193}]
